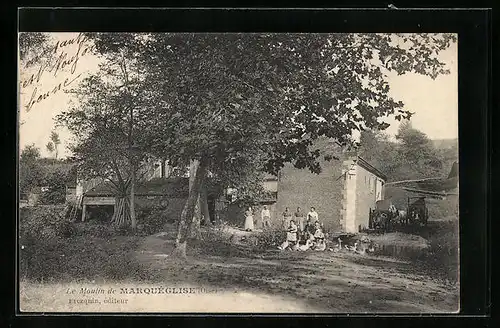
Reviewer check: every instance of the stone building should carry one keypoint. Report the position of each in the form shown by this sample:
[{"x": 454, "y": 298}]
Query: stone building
[
  {"x": 342, "y": 193},
  {"x": 168, "y": 193}
]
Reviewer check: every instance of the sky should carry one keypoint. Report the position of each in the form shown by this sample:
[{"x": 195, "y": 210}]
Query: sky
[{"x": 434, "y": 102}]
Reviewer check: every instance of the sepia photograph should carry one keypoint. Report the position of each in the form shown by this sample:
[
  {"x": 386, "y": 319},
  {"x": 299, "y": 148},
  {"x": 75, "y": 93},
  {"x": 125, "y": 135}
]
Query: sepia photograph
[{"x": 238, "y": 173}]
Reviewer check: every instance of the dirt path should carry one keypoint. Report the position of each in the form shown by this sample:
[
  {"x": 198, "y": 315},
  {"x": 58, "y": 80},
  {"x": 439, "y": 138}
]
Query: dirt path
[{"x": 297, "y": 281}]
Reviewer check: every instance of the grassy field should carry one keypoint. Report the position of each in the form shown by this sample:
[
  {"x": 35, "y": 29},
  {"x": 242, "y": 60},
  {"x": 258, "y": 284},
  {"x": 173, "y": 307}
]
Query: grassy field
[{"x": 228, "y": 277}]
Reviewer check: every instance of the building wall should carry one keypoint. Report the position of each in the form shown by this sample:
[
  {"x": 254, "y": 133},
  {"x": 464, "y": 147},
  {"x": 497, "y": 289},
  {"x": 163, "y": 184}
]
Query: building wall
[
  {"x": 235, "y": 215},
  {"x": 270, "y": 185},
  {"x": 379, "y": 191},
  {"x": 324, "y": 191},
  {"x": 368, "y": 191},
  {"x": 348, "y": 221}
]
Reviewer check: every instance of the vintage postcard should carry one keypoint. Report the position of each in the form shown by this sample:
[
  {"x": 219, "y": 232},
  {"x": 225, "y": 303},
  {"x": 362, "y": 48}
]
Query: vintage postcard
[{"x": 238, "y": 173}]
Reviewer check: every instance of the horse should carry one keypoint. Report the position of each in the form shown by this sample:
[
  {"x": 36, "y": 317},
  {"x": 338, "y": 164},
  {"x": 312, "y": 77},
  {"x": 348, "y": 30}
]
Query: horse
[{"x": 402, "y": 217}]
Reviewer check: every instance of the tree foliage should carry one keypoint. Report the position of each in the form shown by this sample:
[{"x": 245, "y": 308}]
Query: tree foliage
[
  {"x": 108, "y": 126},
  {"x": 417, "y": 150},
  {"x": 36, "y": 172},
  {"x": 101, "y": 126},
  {"x": 411, "y": 156},
  {"x": 30, "y": 171},
  {"x": 231, "y": 93},
  {"x": 32, "y": 46},
  {"x": 224, "y": 98}
]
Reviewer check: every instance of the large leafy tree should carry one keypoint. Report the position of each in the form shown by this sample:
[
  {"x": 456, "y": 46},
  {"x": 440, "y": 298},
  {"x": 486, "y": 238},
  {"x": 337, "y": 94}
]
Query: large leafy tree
[
  {"x": 411, "y": 156},
  {"x": 107, "y": 126},
  {"x": 380, "y": 151},
  {"x": 221, "y": 97},
  {"x": 31, "y": 173},
  {"x": 33, "y": 47},
  {"x": 418, "y": 153}
]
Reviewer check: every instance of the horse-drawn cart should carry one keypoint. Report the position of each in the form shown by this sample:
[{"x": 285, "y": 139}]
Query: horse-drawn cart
[
  {"x": 383, "y": 215},
  {"x": 417, "y": 212}
]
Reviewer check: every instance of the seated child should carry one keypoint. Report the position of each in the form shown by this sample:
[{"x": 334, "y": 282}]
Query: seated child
[
  {"x": 291, "y": 236},
  {"x": 306, "y": 246},
  {"x": 319, "y": 238},
  {"x": 320, "y": 245}
]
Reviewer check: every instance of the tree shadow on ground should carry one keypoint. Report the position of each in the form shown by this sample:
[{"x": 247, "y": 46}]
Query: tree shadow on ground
[
  {"x": 328, "y": 281},
  {"x": 82, "y": 258}
]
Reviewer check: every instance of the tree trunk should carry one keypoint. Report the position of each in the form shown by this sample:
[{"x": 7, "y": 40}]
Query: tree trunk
[
  {"x": 189, "y": 209},
  {"x": 195, "y": 224},
  {"x": 121, "y": 215},
  {"x": 204, "y": 205},
  {"x": 133, "y": 220}
]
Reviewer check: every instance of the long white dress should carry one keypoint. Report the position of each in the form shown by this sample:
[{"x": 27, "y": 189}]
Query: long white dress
[{"x": 249, "y": 220}]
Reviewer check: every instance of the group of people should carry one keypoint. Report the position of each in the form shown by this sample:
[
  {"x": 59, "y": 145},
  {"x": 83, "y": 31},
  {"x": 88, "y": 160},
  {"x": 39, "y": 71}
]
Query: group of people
[
  {"x": 300, "y": 218},
  {"x": 302, "y": 236},
  {"x": 303, "y": 231}
]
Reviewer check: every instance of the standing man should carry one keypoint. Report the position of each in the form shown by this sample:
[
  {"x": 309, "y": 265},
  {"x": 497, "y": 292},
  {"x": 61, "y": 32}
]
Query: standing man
[
  {"x": 300, "y": 219},
  {"x": 265, "y": 215},
  {"x": 313, "y": 215},
  {"x": 287, "y": 216}
]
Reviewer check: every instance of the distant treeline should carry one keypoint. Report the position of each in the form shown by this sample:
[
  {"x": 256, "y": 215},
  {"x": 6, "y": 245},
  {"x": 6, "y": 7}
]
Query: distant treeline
[{"x": 412, "y": 156}]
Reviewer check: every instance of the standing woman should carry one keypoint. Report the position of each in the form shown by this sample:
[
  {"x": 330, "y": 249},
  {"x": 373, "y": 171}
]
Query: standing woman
[
  {"x": 287, "y": 216},
  {"x": 249, "y": 219}
]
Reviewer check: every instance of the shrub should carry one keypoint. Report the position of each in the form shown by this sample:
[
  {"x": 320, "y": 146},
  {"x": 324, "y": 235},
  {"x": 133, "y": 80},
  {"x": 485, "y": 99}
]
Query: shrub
[
  {"x": 216, "y": 233},
  {"x": 152, "y": 218},
  {"x": 44, "y": 222},
  {"x": 56, "y": 192},
  {"x": 41, "y": 227},
  {"x": 270, "y": 238}
]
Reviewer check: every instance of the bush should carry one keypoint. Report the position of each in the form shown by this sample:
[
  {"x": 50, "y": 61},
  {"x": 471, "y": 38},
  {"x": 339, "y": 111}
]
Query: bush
[
  {"x": 44, "y": 222},
  {"x": 271, "y": 238},
  {"x": 216, "y": 233},
  {"x": 41, "y": 227},
  {"x": 152, "y": 218},
  {"x": 56, "y": 192}
]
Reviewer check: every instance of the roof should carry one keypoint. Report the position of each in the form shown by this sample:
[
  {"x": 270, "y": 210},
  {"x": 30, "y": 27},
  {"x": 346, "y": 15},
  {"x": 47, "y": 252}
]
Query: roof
[
  {"x": 367, "y": 166},
  {"x": 173, "y": 187},
  {"x": 432, "y": 194},
  {"x": 433, "y": 185}
]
